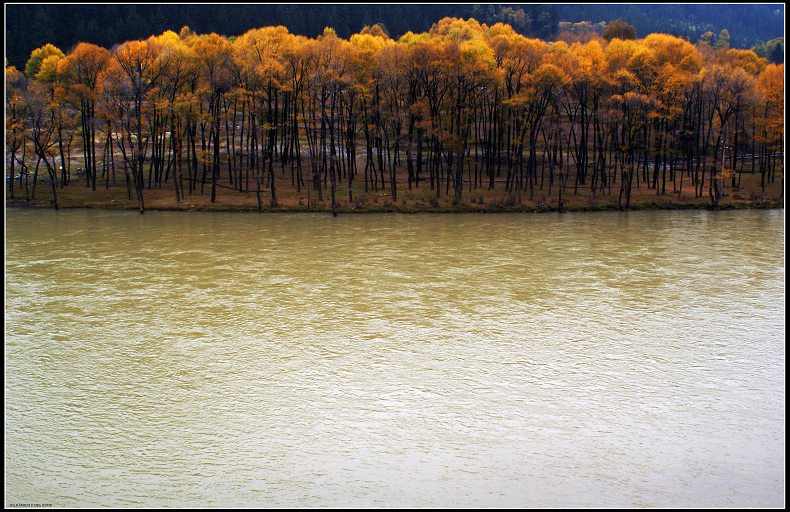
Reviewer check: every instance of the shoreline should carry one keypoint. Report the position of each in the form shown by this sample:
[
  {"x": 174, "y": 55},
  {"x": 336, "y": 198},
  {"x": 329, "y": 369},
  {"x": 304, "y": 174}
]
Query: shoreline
[{"x": 411, "y": 210}]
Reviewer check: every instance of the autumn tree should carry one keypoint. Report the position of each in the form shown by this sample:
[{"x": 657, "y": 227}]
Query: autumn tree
[
  {"x": 40, "y": 121},
  {"x": 214, "y": 54},
  {"x": 770, "y": 121},
  {"x": 261, "y": 53},
  {"x": 16, "y": 83},
  {"x": 619, "y": 29},
  {"x": 142, "y": 66},
  {"x": 80, "y": 71},
  {"x": 37, "y": 57}
]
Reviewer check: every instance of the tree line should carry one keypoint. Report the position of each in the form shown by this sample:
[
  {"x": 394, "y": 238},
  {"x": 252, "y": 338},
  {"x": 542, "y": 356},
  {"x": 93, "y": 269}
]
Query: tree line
[
  {"x": 462, "y": 105},
  {"x": 32, "y": 25}
]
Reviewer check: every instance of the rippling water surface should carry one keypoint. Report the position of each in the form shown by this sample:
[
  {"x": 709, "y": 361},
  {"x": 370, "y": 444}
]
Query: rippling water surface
[{"x": 210, "y": 359}]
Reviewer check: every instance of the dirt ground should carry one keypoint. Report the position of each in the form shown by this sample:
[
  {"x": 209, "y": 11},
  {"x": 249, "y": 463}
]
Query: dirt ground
[{"x": 418, "y": 199}]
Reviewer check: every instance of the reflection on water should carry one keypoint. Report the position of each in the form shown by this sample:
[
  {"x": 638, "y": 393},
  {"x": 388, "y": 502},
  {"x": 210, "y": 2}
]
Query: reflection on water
[{"x": 209, "y": 359}]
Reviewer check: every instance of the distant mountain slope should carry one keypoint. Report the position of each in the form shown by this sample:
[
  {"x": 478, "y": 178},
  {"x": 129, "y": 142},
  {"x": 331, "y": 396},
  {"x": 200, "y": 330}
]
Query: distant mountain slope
[
  {"x": 748, "y": 24},
  {"x": 29, "y": 26}
]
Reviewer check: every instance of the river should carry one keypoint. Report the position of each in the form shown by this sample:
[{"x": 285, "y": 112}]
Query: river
[{"x": 193, "y": 359}]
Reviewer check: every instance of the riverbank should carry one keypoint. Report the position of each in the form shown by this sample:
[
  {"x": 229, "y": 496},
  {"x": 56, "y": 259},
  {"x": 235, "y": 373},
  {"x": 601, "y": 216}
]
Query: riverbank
[
  {"x": 464, "y": 208},
  {"x": 420, "y": 199}
]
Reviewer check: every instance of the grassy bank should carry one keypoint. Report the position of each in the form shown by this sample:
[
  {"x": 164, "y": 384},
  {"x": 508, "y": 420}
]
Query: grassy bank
[{"x": 418, "y": 199}]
